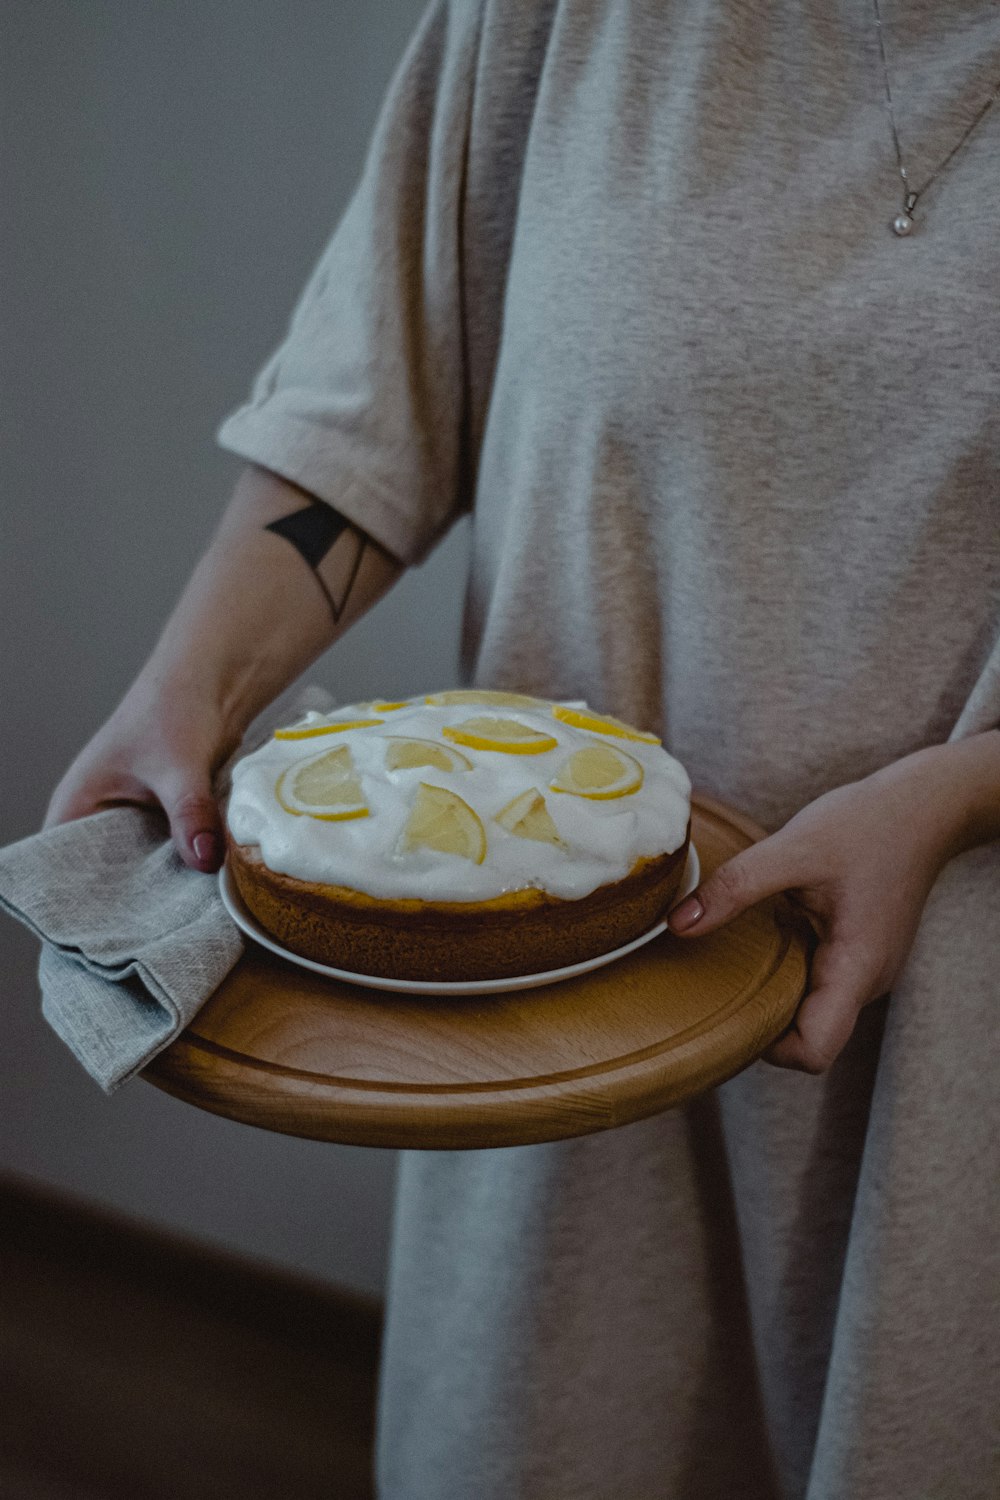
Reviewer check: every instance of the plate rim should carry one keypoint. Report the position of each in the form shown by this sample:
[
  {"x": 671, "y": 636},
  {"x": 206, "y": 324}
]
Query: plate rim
[{"x": 445, "y": 989}]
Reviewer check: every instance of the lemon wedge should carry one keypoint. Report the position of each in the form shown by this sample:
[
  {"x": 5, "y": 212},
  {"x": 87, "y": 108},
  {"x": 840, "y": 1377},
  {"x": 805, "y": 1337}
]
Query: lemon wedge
[
  {"x": 507, "y": 735},
  {"x": 599, "y": 772},
  {"x": 527, "y": 817},
  {"x": 310, "y": 731},
  {"x": 325, "y": 786},
  {"x": 401, "y": 754},
  {"x": 486, "y": 695},
  {"x": 602, "y": 724},
  {"x": 440, "y": 819}
]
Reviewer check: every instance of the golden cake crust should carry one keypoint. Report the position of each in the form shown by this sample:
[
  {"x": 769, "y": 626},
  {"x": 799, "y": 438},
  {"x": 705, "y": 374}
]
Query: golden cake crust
[{"x": 521, "y": 932}]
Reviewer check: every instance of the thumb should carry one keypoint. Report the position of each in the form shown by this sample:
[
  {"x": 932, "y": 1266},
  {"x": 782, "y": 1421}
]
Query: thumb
[
  {"x": 741, "y": 882},
  {"x": 195, "y": 821}
]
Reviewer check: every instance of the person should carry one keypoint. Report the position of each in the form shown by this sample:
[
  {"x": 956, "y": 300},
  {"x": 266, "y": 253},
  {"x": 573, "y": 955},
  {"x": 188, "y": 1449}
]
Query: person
[{"x": 696, "y": 309}]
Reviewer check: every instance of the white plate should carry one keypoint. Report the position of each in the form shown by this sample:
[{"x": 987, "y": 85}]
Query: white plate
[{"x": 233, "y": 903}]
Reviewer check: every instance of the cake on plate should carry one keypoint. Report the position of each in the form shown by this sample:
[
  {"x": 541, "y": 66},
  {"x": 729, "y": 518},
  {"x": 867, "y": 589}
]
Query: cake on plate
[{"x": 470, "y": 834}]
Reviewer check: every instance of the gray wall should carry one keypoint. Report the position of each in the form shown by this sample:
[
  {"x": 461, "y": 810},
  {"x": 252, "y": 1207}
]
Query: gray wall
[{"x": 172, "y": 171}]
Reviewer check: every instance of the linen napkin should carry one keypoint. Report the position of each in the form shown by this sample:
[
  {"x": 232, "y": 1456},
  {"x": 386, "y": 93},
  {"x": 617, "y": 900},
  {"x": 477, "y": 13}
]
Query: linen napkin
[{"x": 134, "y": 941}]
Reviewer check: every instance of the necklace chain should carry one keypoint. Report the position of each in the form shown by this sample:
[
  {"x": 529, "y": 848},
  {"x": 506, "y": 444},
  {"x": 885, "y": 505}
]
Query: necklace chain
[{"x": 903, "y": 223}]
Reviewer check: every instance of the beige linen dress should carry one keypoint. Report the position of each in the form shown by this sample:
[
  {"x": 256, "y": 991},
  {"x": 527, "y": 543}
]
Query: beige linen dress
[{"x": 619, "y": 280}]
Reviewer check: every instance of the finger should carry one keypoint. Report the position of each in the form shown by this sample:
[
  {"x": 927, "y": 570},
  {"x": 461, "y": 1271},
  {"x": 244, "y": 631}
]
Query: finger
[
  {"x": 69, "y": 803},
  {"x": 760, "y": 871},
  {"x": 195, "y": 822},
  {"x": 827, "y": 1016},
  {"x": 821, "y": 1029},
  {"x": 67, "y": 809}
]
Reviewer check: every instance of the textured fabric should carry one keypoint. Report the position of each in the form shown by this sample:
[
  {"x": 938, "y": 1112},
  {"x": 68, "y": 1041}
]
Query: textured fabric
[
  {"x": 134, "y": 941},
  {"x": 619, "y": 280}
]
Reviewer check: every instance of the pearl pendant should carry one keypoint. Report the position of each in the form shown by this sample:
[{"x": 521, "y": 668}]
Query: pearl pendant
[{"x": 902, "y": 224}]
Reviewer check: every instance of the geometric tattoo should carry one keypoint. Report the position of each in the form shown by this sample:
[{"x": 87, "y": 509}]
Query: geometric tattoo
[{"x": 313, "y": 531}]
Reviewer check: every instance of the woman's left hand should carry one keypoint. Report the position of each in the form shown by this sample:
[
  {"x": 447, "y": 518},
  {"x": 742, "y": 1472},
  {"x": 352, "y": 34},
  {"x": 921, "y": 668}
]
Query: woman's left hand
[{"x": 861, "y": 861}]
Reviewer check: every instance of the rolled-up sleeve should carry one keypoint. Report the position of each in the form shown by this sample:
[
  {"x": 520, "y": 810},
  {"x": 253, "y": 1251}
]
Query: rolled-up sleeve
[{"x": 363, "y": 404}]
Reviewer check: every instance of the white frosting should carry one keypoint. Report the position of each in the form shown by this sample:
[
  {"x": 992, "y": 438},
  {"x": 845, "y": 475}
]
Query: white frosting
[{"x": 602, "y": 840}]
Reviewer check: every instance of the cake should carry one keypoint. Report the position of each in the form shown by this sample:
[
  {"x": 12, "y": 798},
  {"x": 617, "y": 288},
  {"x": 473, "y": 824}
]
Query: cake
[{"x": 471, "y": 834}]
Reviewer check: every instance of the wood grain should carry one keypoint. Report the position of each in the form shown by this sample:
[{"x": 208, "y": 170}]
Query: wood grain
[{"x": 282, "y": 1048}]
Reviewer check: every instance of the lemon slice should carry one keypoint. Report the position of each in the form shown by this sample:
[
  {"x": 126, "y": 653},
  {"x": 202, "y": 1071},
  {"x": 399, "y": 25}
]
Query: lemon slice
[
  {"x": 486, "y": 695},
  {"x": 440, "y": 819},
  {"x": 599, "y": 772},
  {"x": 310, "y": 731},
  {"x": 527, "y": 817},
  {"x": 507, "y": 735},
  {"x": 401, "y": 754},
  {"x": 602, "y": 724},
  {"x": 325, "y": 786},
  {"x": 388, "y": 708}
]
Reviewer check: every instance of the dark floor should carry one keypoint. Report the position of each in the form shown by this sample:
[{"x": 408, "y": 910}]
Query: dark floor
[{"x": 137, "y": 1367}]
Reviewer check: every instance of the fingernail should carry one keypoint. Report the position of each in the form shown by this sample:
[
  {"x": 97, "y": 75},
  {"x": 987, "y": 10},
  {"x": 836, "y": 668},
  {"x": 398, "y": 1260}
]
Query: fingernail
[
  {"x": 686, "y": 915},
  {"x": 206, "y": 848}
]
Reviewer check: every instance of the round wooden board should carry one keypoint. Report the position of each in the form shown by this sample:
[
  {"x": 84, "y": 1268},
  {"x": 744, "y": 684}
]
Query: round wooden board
[{"x": 288, "y": 1050}]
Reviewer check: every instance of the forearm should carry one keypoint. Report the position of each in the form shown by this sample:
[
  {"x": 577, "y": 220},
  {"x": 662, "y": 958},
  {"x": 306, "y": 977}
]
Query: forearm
[
  {"x": 958, "y": 785},
  {"x": 261, "y": 605}
]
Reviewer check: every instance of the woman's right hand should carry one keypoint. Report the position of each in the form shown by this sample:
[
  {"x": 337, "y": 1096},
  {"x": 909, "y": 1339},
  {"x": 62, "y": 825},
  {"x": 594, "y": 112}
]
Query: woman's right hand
[{"x": 158, "y": 752}]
